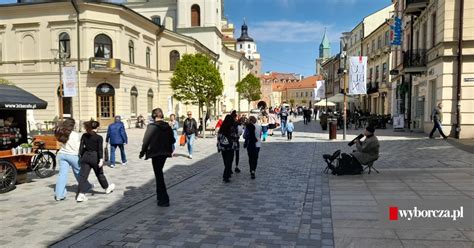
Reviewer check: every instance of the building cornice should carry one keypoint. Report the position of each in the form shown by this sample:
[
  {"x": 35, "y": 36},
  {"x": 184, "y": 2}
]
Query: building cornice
[
  {"x": 26, "y": 25},
  {"x": 200, "y": 29},
  {"x": 62, "y": 22}
]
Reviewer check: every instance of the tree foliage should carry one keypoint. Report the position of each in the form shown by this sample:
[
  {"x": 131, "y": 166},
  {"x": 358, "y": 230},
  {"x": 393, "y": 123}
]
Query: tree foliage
[
  {"x": 5, "y": 81},
  {"x": 249, "y": 88},
  {"x": 196, "y": 80}
]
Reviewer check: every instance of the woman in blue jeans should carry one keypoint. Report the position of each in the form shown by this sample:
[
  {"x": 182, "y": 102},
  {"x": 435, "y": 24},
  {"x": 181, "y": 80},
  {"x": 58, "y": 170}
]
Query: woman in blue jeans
[{"x": 68, "y": 156}]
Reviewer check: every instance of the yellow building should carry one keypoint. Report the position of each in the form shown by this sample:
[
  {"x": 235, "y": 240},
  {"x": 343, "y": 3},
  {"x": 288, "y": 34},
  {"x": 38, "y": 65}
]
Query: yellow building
[
  {"x": 124, "y": 60},
  {"x": 379, "y": 58}
]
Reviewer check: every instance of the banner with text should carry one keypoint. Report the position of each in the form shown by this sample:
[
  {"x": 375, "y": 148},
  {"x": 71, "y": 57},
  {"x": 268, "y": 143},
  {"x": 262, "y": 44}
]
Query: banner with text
[
  {"x": 320, "y": 90},
  {"x": 358, "y": 75},
  {"x": 69, "y": 81}
]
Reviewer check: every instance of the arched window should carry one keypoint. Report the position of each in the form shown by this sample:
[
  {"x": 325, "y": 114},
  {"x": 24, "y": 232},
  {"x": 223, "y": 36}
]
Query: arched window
[
  {"x": 65, "y": 44},
  {"x": 148, "y": 57},
  {"x": 103, "y": 47},
  {"x": 156, "y": 20},
  {"x": 174, "y": 58},
  {"x": 131, "y": 52},
  {"x": 28, "y": 47},
  {"x": 150, "y": 100},
  {"x": 133, "y": 101},
  {"x": 195, "y": 16}
]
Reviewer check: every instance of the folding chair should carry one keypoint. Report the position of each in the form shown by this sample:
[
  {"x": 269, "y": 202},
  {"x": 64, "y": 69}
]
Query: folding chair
[{"x": 371, "y": 167}]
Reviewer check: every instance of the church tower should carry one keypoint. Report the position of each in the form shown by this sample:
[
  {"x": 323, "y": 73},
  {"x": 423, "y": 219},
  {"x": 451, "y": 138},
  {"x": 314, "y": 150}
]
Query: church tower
[
  {"x": 324, "y": 52},
  {"x": 246, "y": 44}
]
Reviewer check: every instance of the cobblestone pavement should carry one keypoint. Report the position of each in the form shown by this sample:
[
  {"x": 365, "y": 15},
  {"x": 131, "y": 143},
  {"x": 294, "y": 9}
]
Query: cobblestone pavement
[{"x": 288, "y": 205}]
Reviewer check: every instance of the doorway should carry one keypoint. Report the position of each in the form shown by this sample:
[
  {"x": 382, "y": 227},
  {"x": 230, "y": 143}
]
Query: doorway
[{"x": 105, "y": 104}]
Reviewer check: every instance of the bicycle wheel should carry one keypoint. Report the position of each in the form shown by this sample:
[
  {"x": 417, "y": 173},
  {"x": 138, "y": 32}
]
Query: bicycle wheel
[
  {"x": 7, "y": 176},
  {"x": 44, "y": 164}
]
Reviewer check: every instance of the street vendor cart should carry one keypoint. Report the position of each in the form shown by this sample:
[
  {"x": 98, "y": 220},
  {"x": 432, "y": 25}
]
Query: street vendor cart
[{"x": 16, "y": 153}]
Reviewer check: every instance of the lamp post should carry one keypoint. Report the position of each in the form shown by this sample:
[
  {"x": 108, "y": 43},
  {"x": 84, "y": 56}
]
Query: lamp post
[
  {"x": 346, "y": 78},
  {"x": 60, "y": 58}
]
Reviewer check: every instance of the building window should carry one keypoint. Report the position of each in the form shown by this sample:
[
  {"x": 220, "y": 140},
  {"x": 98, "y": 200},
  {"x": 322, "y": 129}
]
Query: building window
[
  {"x": 373, "y": 46},
  {"x": 65, "y": 44},
  {"x": 384, "y": 72},
  {"x": 249, "y": 46},
  {"x": 424, "y": 37},
  {"x": 148, "y": 57},
  {"x": 131, "y": 52},
  {"x": 103, "y": 46},
  {"x": 150, "y": 100},
  {"x": 370, "y": 74},
  {"x": 433, "y": 29},
  {"x": 174, "y": 58},
  {"x": 379, "y": 42},
  {"x": 387, "y": 38},
  {"x": 156, "y": 20},
  {"x": 195, "y": 16},
  {"x": 376, "y": 73},
  {"x": 368, "y": 50},
  {"x": 133, "y": 101}
]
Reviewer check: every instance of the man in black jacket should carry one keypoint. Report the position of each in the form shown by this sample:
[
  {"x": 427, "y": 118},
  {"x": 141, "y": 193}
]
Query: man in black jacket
[
  {"x": 190, "y": 129},
  {"x": 158, "y": 145}
]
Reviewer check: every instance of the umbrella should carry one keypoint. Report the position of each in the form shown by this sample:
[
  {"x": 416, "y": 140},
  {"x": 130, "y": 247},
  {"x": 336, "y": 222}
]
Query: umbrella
[
  {"x": 339, "y": 98},
  {"x": 322, "y": 103}
]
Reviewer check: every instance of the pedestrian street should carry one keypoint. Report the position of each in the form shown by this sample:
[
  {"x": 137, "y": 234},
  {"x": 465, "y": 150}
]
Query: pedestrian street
[{"x": 289, "y": 204}]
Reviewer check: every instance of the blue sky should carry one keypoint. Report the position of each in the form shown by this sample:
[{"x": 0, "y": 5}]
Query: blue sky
[{"x": 288, "y": 32}]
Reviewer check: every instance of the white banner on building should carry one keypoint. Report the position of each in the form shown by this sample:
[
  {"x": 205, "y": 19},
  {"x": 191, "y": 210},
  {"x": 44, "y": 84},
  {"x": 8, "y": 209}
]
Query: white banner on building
[
  {"x": 358, "y": 75},
  {"x": 320, "y": 90},
  {"x": 69, "y": 81}
]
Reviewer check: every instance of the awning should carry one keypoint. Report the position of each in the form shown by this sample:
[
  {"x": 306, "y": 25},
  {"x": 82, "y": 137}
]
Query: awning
[
  {"x": 322, "y": 103},
  {"x": 12, "y": 98},
  {"x": 339, "y": 98}
]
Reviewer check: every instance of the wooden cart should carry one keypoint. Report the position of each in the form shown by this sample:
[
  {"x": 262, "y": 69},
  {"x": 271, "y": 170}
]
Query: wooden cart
[{"x": 42, "y": 161}]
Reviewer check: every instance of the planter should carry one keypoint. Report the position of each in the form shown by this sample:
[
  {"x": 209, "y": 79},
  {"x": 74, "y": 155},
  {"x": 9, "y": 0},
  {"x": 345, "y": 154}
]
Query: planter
[
  {"x": 19, "y": 150},
  {"x": 13, "y": 151},
  {"x": 29, "y": 150}
]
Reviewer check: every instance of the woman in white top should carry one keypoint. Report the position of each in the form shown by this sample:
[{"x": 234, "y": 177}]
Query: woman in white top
[{"x": 68, "y": 155}]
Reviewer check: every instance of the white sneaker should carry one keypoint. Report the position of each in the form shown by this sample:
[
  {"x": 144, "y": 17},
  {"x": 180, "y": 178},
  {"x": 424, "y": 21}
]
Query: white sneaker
[
  {"x": 110, "y": 189},
  {"x": 124, "y": 164},
  {"x": 81, "y": 197},
  {"x": 190, "y": 156}
]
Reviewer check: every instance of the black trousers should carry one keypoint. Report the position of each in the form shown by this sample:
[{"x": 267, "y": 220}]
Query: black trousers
[
  {"x": 161, "y": 193},
  {"x": 290, "y": 135},
  {"x": 88, "y": 161},
  {"x": 237, "y": 155},
  {"x": 228, "y": 157},
  {"x": 253, "y": 158},
  {"x": 305, "y": 120}
]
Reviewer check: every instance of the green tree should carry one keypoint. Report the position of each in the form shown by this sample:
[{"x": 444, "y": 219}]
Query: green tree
[
  {"x": 196, "y": 81},
  {"x": 5, "y": 81},
  {"x": 292, "y": 102},
  {"x": 249, "y": 88}
]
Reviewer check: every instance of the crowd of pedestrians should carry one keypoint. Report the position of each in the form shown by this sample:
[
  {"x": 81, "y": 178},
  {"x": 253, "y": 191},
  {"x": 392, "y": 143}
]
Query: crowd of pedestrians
[{"x": 160, "y": 141}]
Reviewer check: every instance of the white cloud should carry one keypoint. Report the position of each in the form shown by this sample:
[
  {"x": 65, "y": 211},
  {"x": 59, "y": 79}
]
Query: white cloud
[{"x": 292, "y": 31}]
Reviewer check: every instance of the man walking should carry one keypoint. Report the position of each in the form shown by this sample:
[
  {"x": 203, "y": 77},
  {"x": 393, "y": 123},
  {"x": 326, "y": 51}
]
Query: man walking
[
  {"x": 190, "y": 129},
  {"x": 437, "y": 118},
  {"x": 117, "y": 137},
  {"x": 283, "y": 119}
]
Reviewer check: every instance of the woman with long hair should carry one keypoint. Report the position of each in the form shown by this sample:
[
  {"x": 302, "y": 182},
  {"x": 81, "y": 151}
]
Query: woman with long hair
[
  {"x": 252, "y": 135},
  {"x": 226, "y": 141},
  {"x": 68, "y": 156},
  {"x": 91, "y": 153}
]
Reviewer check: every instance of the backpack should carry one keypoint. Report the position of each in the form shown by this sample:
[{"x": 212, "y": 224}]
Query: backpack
[
  {"x": 347, "y": 166},
  {"x": 224, "y": 142}
]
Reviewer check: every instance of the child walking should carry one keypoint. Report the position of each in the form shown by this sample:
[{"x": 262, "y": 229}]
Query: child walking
[
  {"x": 91, "y": 157},
  {"x": 290, "y": 128},
  {"x": 264, "y": 128}
]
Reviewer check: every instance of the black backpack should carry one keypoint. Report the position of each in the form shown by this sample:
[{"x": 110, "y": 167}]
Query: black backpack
[{"x": 347, "y": 166}]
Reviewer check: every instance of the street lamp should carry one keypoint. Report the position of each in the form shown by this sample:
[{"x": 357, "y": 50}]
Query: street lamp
[{"x": 60, "y": 57}]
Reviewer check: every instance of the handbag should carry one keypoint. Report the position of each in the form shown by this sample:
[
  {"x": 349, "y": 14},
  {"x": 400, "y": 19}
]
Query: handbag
[
  {"x": 106, "y": 153},
  {"x": 182, "y": 140}
]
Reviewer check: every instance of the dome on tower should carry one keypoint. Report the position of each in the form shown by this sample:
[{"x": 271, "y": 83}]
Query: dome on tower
[{"x": 245, "y": 36}]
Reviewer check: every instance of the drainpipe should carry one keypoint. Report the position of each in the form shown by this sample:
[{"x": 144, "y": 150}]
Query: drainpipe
[
  {"x": 410, "y": 53},
  {"x": 161, "y": 29},
  {"x": 460, "y": 61},
  {"x": 78, "y": 33}
]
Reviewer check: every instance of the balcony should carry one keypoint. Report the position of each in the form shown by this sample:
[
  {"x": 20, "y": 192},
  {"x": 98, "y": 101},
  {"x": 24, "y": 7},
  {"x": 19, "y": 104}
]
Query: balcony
[
  {"x": 415, "y": 7},
  {"x": 415, "y": 61},
  {"x": 372, "y": 87},
  {"x": 104, "y": 65}
]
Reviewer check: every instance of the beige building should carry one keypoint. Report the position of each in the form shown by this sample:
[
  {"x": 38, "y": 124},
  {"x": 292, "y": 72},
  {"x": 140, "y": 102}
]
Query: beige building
[
  {"x": 379, "y": 58},
  {"x": 299, "y": 93},
  {"x": 432, "y": 61},
  {"x": 125, "y": 60}
]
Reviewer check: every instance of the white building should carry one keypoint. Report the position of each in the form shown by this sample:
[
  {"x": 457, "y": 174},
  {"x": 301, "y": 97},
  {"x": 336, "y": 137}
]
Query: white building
[{"x": 247, "y": 46}]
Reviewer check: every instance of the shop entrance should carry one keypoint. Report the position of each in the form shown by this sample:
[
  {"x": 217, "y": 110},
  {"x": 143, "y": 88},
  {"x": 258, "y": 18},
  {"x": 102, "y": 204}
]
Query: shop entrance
[{"x": 105, "y": 104}]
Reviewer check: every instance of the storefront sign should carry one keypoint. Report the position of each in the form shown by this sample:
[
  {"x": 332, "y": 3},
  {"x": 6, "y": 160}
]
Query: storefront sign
[
  {"x": 358, "y": 75},
  {"x": 104, "y": 65},
  {"x": 69, "y": 81},
  {"x": 320, "y": 90},
  {"x": 396, "y": 31}
]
